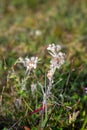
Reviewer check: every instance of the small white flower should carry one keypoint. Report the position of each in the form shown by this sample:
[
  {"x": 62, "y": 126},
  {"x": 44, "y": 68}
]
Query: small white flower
[
  {"x": 57, "y": 61},
  {"x": 29, "y": 63},
  {"x": 57, "y": 56},
  {"x": 54, "y": 49}
]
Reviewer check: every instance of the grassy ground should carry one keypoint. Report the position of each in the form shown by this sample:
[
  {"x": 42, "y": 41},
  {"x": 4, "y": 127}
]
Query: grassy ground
[{"x": 26, "y": 28}]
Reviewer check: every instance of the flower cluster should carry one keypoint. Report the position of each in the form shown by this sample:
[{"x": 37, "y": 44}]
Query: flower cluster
[
  {"x": 54, "y": 49},
  {"x": 30, "y": 64},
  {"x": 55, "y": 63},
  {"x": 57, "y": 59}
]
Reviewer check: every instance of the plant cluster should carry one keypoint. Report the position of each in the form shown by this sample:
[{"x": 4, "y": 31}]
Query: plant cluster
[{"x": 45, "y": 91}]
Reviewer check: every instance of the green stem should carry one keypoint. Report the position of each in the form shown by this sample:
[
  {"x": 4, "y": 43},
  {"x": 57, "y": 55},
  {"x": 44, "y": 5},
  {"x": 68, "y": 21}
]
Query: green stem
[{"x": 84, "y": 124}]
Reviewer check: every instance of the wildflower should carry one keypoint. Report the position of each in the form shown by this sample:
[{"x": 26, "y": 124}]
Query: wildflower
[
  {"x": 57, "y": 56},
  {"x": 29, "y": 63},
  {"x": 33, "y": 88},
  {"x": 53, "y": 49},
  {"x": 57, "y": 61}
]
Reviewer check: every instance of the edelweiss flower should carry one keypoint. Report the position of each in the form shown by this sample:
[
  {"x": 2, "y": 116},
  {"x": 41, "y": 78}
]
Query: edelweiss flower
[
  {"x": 53, "y": 49},
  {"x": 29, "y": 63},
  {"x": 57, "y": 56},
  {"x": 57, "y": 61}
]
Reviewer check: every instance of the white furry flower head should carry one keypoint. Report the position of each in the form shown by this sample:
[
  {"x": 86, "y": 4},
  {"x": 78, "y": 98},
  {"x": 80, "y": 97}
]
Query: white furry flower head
[
  {"x": 29, "y": 63},
  {"x": 53, "y": 49},
  {"x": 57, "y": 56},
  {"x": 56, "y": 61}
]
